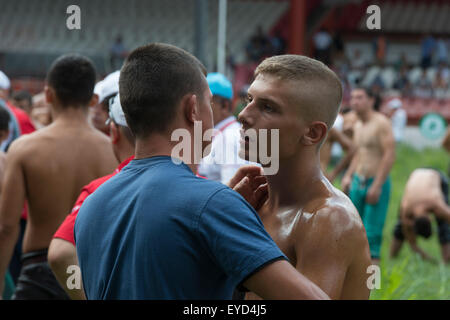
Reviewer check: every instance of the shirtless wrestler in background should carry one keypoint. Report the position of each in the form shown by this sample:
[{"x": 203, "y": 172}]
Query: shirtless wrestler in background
[{"x": 48, "y": 169}]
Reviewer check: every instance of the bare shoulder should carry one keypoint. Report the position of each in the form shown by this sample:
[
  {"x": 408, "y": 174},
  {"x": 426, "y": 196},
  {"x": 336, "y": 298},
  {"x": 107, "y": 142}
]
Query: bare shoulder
[
  {"x": 382, "y": 120},
  {"x": 339, "y": 221}
]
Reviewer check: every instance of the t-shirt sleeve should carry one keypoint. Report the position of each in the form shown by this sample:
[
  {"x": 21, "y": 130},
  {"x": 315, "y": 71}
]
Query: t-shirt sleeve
[
  {"x": 65, "y": 230},
  {"x": 234, "y": 235}
]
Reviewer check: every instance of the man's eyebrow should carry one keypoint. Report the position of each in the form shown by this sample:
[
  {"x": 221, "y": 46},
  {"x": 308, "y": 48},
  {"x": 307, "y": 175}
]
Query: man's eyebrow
[{"x": 269, "y": 101}]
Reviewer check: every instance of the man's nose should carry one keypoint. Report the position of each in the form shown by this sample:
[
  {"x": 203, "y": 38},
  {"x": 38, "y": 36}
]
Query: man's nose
[{"x": 245, "y": 117}]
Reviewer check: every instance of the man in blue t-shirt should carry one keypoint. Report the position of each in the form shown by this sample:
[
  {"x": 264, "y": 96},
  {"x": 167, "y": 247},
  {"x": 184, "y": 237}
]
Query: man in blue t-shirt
[{"x": 156, "y": 230}]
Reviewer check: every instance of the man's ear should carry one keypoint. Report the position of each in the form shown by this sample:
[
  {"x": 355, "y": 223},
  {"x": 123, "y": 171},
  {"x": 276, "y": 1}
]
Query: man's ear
[
  {"x": 49, "y": 94},
  {"x": 316, "y": 132},
  {"x": 93, "y": 101},
  {"x": 190, "y": 107},
  {"x": 114, "y": 133}
]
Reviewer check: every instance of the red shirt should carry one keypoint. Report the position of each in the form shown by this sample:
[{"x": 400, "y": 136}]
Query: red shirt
[
  {"x": 24, "y": 121},
  {"x": 25, "y": 126},
  {"x": 65, "y": 230}
]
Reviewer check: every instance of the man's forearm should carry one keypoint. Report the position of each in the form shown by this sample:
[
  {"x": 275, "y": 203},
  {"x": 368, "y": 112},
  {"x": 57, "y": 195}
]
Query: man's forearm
[
  {"x": 385, "y": 167},
  {"x": 344, "y": 162},
  {"x": 8, "y": 239}
]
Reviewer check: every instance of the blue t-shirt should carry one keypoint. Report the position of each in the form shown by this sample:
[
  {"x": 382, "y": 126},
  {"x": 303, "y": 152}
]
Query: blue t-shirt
[{"x": 156, "y": 231}]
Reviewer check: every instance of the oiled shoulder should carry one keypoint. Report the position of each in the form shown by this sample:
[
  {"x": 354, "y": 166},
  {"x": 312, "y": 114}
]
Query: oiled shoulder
[{"x": 337, "y": 225}]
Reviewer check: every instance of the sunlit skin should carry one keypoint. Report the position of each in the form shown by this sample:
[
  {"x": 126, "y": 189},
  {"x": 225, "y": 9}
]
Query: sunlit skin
[
  {"x": 422, "y": 197},
  {"x": 48, "y": 168},
  {"x": 313, "y": 223}
]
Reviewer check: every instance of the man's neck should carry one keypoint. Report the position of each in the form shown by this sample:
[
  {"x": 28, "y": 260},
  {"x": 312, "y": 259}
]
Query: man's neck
[
  {"x": 70, "y": 115},
  {"x": 158, "y": 145},
  {"x": 366, "y": 116},
  {"x": 295, "y": 181}
]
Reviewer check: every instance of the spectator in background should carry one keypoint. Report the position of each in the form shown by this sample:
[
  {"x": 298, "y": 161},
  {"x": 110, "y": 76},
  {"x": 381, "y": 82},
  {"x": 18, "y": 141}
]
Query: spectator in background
[
  {"x": 441, "y": 51},
  {"x": 358, "y": 66},
  {"x": 440, "y": 86},
  {"x": 20, "y": 116},
  {"x": 258, "y": 46},
  {"x": 401, "y": 63},
  {"x": 223, "y": 161},
  {"x": 117, "y": 53},
  {"x": 104, "y": 90},
  {"x": 323, "y": 45},
  {"x": 24, "y": 101},
  {"x": 379, "y": 48},
  {"x": 423, "y": 87},
  {"x": 377, "y": 85},
  {"x": 444, "y": 71},
  {"x": 41, "y": 114},
  {"x": 428, "y": 47},
  {"x": 398, "y": 117},
  {"x": 402, "y": 82},
  {"x": 278, "y": 43}
]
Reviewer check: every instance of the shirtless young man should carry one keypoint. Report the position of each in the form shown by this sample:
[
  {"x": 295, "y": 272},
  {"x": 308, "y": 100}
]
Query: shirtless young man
[
  {"x": 426, "y": 194},
  {"x": 48, "y": 169},
  {"x": 367, "y": 179},
  {"x": 336, "y": 136},
  {"x": 314, "y": 224}
]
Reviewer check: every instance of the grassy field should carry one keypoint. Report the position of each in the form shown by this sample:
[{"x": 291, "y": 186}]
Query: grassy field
[{"x": 408, "y": 276}]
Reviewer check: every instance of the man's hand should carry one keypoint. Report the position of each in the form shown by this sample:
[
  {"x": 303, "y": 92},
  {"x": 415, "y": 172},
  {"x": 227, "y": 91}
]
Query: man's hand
[
  {"x": 250, "y": 183},
  {"x": 373, "y": 194},
  {"x": 345, "y": 184}
]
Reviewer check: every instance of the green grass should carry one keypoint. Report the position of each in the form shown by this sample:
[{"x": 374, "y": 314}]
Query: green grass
[{"x": 408, "y": 276}]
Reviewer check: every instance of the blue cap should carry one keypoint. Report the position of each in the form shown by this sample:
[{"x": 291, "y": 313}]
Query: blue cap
[{"x": 220, "y": 85}]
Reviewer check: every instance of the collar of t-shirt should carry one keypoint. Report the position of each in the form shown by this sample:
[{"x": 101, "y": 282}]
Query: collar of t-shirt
[
  {"x": 225, "y": 123},
  {"x": 123, "y": 164}
]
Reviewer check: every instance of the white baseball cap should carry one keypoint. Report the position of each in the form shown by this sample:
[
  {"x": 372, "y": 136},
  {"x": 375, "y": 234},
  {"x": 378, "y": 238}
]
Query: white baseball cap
[
  {"x": 116, "y": 112},
  {"x": 5, "y": 84},
  {"x": 108, "y": 86},
  {"x": 395, "y": 103}
]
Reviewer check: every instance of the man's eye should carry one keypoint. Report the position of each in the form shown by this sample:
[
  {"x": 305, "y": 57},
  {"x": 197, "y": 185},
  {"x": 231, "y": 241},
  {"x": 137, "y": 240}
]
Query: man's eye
[
  {"x": 267, "y": 108},
  {"x": 248, "y": 100}
]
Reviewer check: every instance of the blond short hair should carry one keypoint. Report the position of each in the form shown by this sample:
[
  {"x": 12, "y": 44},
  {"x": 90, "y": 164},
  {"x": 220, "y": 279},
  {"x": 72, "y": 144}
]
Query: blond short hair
[{"x": 322, "y": 97}]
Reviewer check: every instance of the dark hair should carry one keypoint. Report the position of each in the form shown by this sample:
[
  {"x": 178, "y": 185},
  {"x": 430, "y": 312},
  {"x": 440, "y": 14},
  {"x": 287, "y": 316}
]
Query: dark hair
[
  {"x": 152, "y": 81},
  {"x": 367, "y": 90},
  {"x": 4, "y": 119},
  {"x": 72, "y": 77},
  {"x": 422, "y": 227},
  {"x": 23, "y": 95},
  {"x": 377, "y": 103}
]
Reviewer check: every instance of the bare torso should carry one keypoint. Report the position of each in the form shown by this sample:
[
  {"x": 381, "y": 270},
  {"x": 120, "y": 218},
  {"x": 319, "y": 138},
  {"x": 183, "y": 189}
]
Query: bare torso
[
  {"x": 423, "y": 189},
  {"x": 368, "y": 140},
  {"x": 57, "y": 162},
  {"x": 325, "y": 241}
]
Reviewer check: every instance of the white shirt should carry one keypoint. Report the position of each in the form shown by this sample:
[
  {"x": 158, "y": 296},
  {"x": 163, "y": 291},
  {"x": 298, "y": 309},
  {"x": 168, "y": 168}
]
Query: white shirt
[
  {"x": 336, "y": 149},
  {"x": 399, "y": 119},
  {"x": 223, "y": 161}
]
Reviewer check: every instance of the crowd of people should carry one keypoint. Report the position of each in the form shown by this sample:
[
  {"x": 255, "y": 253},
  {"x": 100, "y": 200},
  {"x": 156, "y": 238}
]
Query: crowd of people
[{"x": 97, "y": 185}]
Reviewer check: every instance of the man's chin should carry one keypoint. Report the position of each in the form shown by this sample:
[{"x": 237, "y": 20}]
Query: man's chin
[{"x": 244, "y": 154}]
